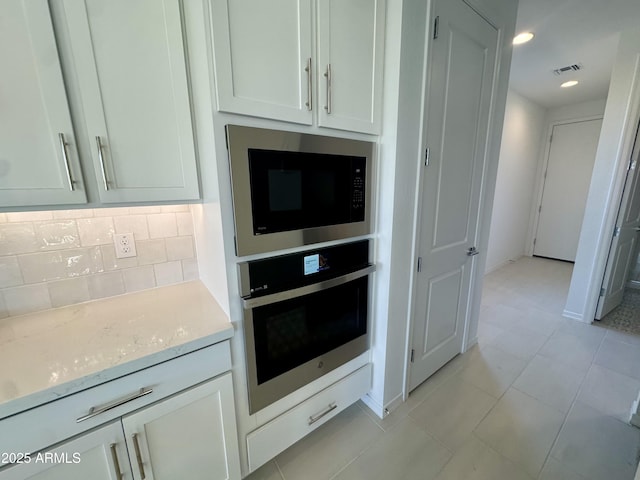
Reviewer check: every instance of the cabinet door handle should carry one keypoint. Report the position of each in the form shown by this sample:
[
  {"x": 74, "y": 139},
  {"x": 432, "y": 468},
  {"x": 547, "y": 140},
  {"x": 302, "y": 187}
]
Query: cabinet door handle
[
  {"x": 314, "y": 418},
  {"x": 101, "y": 159},
  {"x": 329, "y": 86},
  {"x": 116, "y": 463},
  {"x": 309, "y": 103},
  {"x": 65, "y": 157},
  {"x": 136, "y": 446},
  {"x": 93, "y": 411}
]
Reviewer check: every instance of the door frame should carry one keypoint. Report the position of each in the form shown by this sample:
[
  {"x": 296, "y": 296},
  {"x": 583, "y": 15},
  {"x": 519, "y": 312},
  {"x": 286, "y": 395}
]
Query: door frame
[
  {"x": 499, "y": 90},
  {"x": 543, "y": 165},
  {"x": 623, "y": 144}
]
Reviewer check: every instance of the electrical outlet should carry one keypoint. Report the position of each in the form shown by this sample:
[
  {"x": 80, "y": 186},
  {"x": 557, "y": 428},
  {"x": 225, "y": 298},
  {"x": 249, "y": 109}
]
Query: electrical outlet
[{"x": 125, "y": 245}]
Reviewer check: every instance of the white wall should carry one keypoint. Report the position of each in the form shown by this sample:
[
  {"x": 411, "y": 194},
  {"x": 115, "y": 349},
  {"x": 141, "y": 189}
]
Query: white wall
[
  {"x": 578, "y": 111},
  {"x": 522, "y": 137},
  {"x": 616, "y": 143}
]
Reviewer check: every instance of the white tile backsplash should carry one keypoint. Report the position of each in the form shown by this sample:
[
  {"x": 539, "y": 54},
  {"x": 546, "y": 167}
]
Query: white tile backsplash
[
  {"x": 136, "y": 224},
  {"x": 179, "y": 248},
  {"x": 57, "y": 235},
  {"x": 10, "y": 274},
  {"x": 139, "y": 278},
  {"x": 27, "y": 299},
  {"x": 95, "y": 231},
  {"x": 48, "y": 266},
  {"x": 17, "y": 238},
  {"x": 168, "y": 273},
  {"x": 105, "y": 285},
  {"x": 29, "y": 216},
  {"x": 3, "y": 308},
  {"x": 151, "y": 251},
  {"x": 69, "y": 292},
  {"x": 190, "y": 269},
  {"x": 55, "y": 258},
  {"x": 162, "y": 225}
]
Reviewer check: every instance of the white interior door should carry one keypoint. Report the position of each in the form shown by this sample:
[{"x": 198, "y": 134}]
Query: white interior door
[
  {"x": 623, "y": 250},
  {"x": 458, "y": 113},
  {"x": 571, "y": 157}
]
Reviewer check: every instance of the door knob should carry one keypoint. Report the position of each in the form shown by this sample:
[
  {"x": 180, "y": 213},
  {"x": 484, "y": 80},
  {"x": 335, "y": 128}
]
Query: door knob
[{"x": 472, "y": 251}]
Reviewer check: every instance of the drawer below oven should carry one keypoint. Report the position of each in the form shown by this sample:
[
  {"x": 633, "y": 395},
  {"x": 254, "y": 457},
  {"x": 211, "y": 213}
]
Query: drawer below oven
[
  {"x": 280, "y": 433},
  {"x": 48, "y": 424}
]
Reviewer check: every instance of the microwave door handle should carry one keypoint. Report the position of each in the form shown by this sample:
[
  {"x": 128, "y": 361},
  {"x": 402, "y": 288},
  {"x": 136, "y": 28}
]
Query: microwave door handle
[{"x": 307, "y": 289}]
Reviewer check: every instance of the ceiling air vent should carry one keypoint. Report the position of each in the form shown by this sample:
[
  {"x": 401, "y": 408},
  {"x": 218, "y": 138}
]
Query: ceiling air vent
[{"x": 569, "y": 68}]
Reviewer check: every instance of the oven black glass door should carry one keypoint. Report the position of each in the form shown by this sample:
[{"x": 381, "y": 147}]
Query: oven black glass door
[
  {"x": 296, "y": 190},
  {"x": 289, "y": 333}
]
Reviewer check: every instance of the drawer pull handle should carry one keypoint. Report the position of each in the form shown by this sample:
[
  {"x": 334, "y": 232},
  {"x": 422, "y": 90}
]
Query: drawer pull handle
[
  {"x": 116, "y": 463},
  {"x": 94, "y": 411},
  {"x": 314, "y": 418},
  {"x": 136, "y": 446}
]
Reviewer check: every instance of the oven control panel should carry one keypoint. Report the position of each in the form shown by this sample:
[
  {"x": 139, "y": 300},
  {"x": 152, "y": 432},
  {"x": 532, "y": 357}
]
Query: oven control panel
[{"x": 284, "y": 272}]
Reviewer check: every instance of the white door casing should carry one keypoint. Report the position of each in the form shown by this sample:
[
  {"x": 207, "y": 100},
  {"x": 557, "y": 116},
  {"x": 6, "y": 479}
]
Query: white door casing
[
  {"x": 571, "y": 156},
  {"x": 623, "y": 250},
  {"x": 458, "y": 110}
]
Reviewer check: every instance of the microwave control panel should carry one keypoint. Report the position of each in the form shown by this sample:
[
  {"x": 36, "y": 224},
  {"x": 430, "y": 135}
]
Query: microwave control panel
[{"x": 357, "y": 194}]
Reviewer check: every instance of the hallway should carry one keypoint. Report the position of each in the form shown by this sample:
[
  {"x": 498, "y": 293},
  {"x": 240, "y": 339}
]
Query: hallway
[{"x": 539, "y": 397}]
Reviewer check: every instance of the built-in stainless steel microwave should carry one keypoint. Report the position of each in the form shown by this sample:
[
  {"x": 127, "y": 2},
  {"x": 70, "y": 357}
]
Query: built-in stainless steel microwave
[{"x": 293, "y": 189}]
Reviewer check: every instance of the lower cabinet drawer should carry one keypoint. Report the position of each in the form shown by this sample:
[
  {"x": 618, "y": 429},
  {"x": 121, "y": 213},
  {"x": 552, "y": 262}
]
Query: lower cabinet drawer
[
  {"x": 280, "y": 433},
  {"x": 56, "y": 421}
]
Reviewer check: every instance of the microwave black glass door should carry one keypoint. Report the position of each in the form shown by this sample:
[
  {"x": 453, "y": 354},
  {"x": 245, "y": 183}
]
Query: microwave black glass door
[
  {"x": 297, "y": 190},
  {"x": 290, "y": 333}
]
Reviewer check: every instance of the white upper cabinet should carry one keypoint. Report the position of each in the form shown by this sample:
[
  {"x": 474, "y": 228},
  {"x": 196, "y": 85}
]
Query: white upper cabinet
[
  {"x": 268, "y": 63},
  {"x": 35, "y": 167},
  {"x": 350, "y": 55},
  {"x": 262, "y": 53},
  {"x": 129, "y": 60}
]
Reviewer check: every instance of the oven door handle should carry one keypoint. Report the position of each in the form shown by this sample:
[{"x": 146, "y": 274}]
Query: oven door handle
[{"x": 248, "y": 303}]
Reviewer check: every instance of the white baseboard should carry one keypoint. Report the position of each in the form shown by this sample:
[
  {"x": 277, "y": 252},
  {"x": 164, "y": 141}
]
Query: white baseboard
[
  {"x": 493, "y": 268},
  {"x": 573, "y": 315}
]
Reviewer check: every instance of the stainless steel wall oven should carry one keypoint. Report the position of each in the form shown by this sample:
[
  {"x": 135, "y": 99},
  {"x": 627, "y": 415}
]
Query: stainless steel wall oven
[
  {"x": 305, "y": 314},
  {"x": 292, "y": 189}
]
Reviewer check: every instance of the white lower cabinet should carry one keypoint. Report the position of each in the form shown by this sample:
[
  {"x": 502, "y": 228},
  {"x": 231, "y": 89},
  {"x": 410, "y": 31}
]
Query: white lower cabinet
[
  {"x": 98, "y": 455},
  {"x": 283, "y": 431},
  {"x": 189, "y": 435}
]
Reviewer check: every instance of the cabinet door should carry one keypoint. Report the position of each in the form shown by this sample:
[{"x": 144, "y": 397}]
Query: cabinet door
[
  {"x": 96, "y": 455},
  {"x": 130, "y": 63},
  {"x": 262, "y": 53},
  {"x": 35, "y": 169},
  {"x": 350, "y": 56},
  {"x": 190, "y": 435}
]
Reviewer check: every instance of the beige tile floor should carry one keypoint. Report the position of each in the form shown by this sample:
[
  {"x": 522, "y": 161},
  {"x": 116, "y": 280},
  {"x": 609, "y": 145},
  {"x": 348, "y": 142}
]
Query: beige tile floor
[{"x": 539, "y": 397}]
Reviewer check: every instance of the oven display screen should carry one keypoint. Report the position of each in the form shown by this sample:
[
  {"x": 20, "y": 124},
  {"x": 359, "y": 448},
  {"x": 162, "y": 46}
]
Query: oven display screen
[{"x": 311, "y": 264}]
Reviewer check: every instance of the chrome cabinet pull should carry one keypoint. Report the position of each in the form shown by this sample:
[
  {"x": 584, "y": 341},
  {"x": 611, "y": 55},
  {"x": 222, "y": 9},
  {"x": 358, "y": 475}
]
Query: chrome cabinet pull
[
  {"x": 65, "y": 157},
  {"x": 93, "y": 411},
  {"x": 101, "y": 159},
  {"x": 136, "y": 446},
  {"x": 309, "y": 103},
  {"x": 314, "y": 418},
  {"x": 472, "y": 251},
  {"x": 116, "y": 463},
  {"x": 329, "y": 86}
]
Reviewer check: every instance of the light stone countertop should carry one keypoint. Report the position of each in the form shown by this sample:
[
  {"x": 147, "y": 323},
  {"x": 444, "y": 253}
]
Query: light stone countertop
[{"x": 51, "y": 354}]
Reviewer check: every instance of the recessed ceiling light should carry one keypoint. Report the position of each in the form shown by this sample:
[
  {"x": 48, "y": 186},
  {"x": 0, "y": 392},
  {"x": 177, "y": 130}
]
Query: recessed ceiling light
[
  {"x": 523, "y": 37},
  {"x": 570, "y": 83}
]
